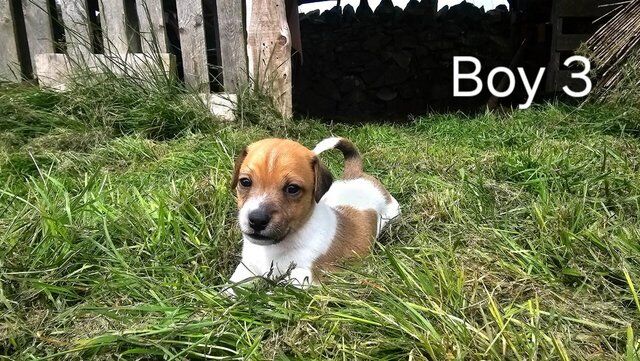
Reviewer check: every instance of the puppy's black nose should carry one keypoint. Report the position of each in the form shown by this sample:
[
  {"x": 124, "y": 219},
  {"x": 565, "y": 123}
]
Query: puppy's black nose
[{"x": 259, "y": 219}]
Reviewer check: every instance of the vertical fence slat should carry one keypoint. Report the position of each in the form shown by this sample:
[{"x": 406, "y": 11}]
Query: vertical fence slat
[
  {"x": 232, "y": 50},
  {"x": 269, "y": 50},
  {"x": 193, "y": 44},
  {"x": 39, "y": 28},
  {"x": 77, "y": 28},
  {"x": 150, "y": 15},
  {"x": 114, "y": 27},
  {"x": 9, "y": 61}
]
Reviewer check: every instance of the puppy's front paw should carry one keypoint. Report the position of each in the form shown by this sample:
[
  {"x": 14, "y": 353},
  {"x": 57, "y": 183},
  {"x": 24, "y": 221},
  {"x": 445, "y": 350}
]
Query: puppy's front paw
[
  {"x": 301, "y": 278},
  {"x": 241, "y": 274},
  {"x": 228, "y": 292}
]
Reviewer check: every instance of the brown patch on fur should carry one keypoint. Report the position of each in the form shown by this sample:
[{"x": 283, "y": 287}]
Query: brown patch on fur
[
  {"x": 355, "y": 234},
  {"x": 236, "y": 167},
  {"x": 352, "y": 171},
  {"x": 323, "y": 181},
  {"x": 352, "y": 159}
]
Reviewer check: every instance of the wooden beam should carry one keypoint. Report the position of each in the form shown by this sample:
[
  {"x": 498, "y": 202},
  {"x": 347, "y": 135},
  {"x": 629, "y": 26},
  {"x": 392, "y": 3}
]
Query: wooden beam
[
  {"x": 39, "y": 28},
  {"x": 193, "y": 44},
  {"x": 77, "y": 28},
  {"x": 9, "y": 60},
  {"x": 554, "y": 58},
  {"x": 152, "y": 29},
  {"x": 582, "y": 8},
  {"x": 570, "y": 42},
  {"x": 269, "y": 51},
  {"x": 221, "y": 105},
  {"x": 232, "y": 50},
  {"x": 114, "y": 27}
]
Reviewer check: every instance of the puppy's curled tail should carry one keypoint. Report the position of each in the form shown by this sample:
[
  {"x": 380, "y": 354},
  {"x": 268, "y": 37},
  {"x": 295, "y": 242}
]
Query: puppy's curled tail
[{"x": 352, "y": 159}]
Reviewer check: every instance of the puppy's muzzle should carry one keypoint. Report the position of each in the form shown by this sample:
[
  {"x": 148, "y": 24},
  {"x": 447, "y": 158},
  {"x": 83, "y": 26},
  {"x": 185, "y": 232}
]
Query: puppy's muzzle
[
  {"x": 259, "y": 222},
  {"x": 259, "y": 219}
]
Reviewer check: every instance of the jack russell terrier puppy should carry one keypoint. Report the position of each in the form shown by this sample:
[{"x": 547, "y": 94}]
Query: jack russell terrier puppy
[{"x": 295, "y": 220}]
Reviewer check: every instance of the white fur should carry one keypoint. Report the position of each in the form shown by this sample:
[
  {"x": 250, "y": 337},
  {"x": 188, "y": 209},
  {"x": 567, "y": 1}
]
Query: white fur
[
  {"x": 358, "y": 193},
  {"x": 250, "y": 205},
  {"x": 362, "y": 194},
  {"x": 298, "y": 250},
  {"x": 391, "y": 211},
  {"x": 326, "y": 144}
]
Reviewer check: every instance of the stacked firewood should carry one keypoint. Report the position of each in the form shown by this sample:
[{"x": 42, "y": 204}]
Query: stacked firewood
[{"x": 614, "y": 50}]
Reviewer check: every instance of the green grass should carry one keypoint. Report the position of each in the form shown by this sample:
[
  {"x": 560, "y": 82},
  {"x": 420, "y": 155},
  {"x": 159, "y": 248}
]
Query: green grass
[{"x": 519, "y": 237}]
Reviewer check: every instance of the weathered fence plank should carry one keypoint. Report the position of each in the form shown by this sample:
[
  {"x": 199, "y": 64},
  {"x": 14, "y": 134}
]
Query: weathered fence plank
[
  {"x": 53, "y": 70},
  {"x": 193, "y": 44},
  {"x": 152, "y": 29},
  {"x": 269, "y": 50},
  {"x": 9, "y": 60},
  {"x": 77, "y": 28},
  {"x": 114, "y": 27},
  {"x": 232, "y": 49},
  {"x": 39, "y": 28}
]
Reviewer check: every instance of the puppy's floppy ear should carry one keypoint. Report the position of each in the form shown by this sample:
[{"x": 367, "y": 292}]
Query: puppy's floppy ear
[
  {"x": 236, "y": 170},
  {"x": 323, "y": 179}
]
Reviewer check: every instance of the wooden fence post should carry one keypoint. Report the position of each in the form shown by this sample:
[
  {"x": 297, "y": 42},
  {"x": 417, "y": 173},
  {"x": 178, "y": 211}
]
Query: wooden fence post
[
  {"x": 269, "y": 51},
  {"x": 232, "y": 50},
  {"x": 193, "y": 44},
  {"x": 77, "y": 29},
  {"x": 152, "y": 26},
  {"x": 114, "y": 27},
  {"x": 39, "y": 29},
  {"x": 9, "y": 61}
]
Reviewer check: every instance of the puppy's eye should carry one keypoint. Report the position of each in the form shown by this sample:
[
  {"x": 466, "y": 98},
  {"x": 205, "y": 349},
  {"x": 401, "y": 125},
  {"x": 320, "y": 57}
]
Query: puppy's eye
[
  {"x": 245, "y": 182},
  {"x": 292, "y": 189}
]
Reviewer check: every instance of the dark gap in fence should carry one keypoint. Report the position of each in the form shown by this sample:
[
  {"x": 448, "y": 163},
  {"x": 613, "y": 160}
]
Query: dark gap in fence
[
  {"x": 212, "y": 41},
  {"x": 57, "y": 27},
  {"x": 219, "y": 79},
  {"x": 21, "y": 39},
  {"x": 173, "y": 33},
  {"x": 133, "y": 26},
  {"x": 95, "y": 28}
]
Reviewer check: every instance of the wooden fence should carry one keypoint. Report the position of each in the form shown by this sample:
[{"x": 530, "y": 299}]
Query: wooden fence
[
  {"x": 45, "y": 39},
  {"x": 573, "y": 22}
]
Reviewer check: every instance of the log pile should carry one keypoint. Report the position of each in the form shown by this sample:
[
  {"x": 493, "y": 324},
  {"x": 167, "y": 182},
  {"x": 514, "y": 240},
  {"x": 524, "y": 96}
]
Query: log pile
[
  {"x": 366, "y": 63},
  {"x": 614, "y": 50}
]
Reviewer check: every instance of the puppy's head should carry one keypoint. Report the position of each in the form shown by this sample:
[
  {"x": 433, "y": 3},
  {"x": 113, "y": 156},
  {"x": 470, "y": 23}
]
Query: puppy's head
[{"x": 278, "y": 182}]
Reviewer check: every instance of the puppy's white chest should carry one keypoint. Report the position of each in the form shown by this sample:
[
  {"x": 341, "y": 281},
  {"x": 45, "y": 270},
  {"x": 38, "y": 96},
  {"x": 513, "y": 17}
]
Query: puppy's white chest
[
  {"x": 298, "y": 250},
  {"x": 266, "y": 261}
]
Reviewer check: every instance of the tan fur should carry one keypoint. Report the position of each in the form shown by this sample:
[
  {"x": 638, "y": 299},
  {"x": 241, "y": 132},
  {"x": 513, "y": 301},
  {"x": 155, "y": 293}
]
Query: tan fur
[
  {"x": 272, "y": 164},
  {"x": 354, "y": 236},
  {"x": 352, "y": 159}
]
